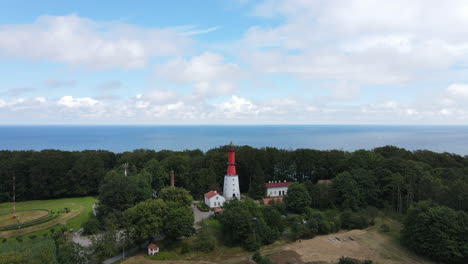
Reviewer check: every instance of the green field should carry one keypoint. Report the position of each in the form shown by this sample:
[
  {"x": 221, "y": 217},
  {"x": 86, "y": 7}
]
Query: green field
[{"x": 80, "y": 210}]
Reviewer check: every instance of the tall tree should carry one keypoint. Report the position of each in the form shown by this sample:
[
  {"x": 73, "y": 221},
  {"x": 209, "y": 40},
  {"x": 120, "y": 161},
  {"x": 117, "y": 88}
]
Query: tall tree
[
  {"x": 297, "y": 198},
  {"x": 146, "y": 219},
  {"x": 176, "y": 194},
  {"x": 257, "y": 188},
  {"x": 179, "y": 221}
]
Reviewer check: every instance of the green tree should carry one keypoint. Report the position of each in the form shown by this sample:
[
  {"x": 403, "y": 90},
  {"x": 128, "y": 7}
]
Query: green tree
[
  {"x": 72, "y": 253},
  {"x": 347, "y": 191},
  {"x": 205, "y": 240},
  {"x": 437, "y": 231},
  {"x": 176, "y": 194},
  {"x": 179, "y": 221},
  {"x": 104, "y": 246},
  {"x": 257, "y": 187},
  {"x": 120, "y": 192},
  {"x": 146, "y": 219},
  {"x": 297, "y": 199},
  {"x": 159, "y": 177}
]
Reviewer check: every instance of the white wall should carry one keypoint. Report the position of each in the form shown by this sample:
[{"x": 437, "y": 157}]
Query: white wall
[
  {"x": 279, "y": 191},
  {"x": 231, "y": 187},
  {"x": 215, "y": 201}
]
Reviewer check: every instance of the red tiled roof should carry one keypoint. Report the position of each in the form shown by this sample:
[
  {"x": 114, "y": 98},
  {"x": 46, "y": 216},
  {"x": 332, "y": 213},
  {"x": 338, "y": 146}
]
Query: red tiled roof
[
  {"x": 210, "y": 194},
  {"x": 266, "y": 201},
  {"x": 277, "y": 184},
  {"x": 324, "y": 182},
  {"x": 152, "y": 246}
]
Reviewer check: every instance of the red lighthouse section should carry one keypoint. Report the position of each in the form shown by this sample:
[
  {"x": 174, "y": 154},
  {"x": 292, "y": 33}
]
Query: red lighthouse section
[{"x": 231, "y": 165}]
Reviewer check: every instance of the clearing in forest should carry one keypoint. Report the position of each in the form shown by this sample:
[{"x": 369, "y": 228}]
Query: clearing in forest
[{"x": 79, "y": 211}]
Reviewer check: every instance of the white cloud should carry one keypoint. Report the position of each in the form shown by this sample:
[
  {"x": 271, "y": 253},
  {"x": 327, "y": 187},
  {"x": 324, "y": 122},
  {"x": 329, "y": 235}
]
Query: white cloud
[
  {"x": 365, "y": 42},
  {"x": 458, "y": 90},
  {"x": 213, "y": 88},
  {"x": 80, "y": 41},
  {"x": 205, "y": 67},
  {"x": 238, "y": 105},
  {"x": 168, "y": 107},
  {"x": 208, "y": 73},
  {"x": 70, "y": 102}
]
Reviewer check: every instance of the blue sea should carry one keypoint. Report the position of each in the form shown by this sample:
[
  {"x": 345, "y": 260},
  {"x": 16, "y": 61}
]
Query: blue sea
[{"x": 126, "y": 138}]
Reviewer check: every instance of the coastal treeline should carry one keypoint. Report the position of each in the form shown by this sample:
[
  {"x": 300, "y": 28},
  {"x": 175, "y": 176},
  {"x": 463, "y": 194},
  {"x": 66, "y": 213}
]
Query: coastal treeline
[
  {"x": 333, "y": 189},
  {"x": 386, "y": 177}
]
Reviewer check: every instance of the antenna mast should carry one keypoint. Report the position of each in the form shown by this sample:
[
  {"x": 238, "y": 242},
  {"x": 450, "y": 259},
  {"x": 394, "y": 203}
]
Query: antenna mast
[
  {"x": 14, "y": 196},
  {"x": 125, "y": 166}
]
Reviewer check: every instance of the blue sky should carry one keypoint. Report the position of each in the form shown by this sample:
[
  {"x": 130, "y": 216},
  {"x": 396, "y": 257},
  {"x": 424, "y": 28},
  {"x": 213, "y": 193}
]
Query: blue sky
[{"x": 234, "y": 62}]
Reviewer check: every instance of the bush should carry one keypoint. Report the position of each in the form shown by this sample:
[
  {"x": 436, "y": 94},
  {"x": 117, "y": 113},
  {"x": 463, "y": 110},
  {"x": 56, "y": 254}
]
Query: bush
[
  {"x": 278, "y": 205},
  {"x": 346, "y": 260},
  {"x": 205, "y": 240},
  {"x": 436, "y": 231},
  {"x": 354, "y": 220},
  {"x": 384, "y": 228},
  {"x": 325, "y": 227},
  {"x": 259, "y": 259},
  {"x": 92, "y": 226},
  {"x": 202, "y": 207},
  {"x": 164, "y": 255},
  {"x": 251, "y": 244}
]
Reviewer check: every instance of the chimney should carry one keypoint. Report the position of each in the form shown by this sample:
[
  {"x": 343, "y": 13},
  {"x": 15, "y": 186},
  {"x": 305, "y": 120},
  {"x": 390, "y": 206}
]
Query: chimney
[{"x": 172, "y": 177}]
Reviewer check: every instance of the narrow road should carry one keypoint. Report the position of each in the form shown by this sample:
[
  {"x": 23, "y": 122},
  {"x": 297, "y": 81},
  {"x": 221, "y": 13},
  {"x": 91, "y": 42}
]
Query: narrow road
[{"x": 199, "y": 215}]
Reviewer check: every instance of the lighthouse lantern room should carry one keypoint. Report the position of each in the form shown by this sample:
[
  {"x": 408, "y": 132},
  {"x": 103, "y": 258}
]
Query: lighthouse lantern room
[{"x": 231, "y": 180}]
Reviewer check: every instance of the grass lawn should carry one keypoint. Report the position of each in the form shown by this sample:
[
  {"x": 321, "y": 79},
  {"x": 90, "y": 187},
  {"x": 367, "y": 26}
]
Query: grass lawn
[
  {"x": 22, "y": 217},
  {"x": 80, "y": 210},
  {"x": 221, "y": 254}
]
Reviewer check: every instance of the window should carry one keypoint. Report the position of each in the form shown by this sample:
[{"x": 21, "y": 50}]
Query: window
[{"x": 216, "y": 197}]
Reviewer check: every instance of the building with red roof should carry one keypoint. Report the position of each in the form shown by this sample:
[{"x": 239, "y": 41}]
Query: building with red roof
[
  {"x": 213, "y": 199},
  {"x": 152, "y": 249},
  {"x": 277, "y": 188}
]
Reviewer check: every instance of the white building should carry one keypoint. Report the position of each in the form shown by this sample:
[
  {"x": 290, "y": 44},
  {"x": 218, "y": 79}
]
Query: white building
[
  {"x": 277, "y": 188},
  {"x": 152, "y": 249},
  {"x": 213, "y": 199}
]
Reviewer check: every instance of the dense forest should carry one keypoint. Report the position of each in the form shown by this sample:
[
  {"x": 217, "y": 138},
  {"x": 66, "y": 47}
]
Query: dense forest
[
  {"x": 428, "y": 191},
  {"x": 386, "y": 177}
]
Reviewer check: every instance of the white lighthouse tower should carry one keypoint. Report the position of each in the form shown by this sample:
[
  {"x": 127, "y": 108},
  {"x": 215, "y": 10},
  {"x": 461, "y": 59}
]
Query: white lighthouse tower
[{"x": 231, "y": 180}]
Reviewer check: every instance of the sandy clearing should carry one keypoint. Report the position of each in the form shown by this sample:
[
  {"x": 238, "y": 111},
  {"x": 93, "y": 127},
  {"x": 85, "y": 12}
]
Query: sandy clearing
[{"x": 366, "y": 245}]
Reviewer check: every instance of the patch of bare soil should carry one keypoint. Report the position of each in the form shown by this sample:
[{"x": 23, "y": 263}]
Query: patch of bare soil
[
  {"x": 357, "y": 244},
  {"x": 286, "y": 257}
]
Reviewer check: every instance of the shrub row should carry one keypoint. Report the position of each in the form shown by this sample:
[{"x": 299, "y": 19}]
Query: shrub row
[{"x": 41, "y": 220}]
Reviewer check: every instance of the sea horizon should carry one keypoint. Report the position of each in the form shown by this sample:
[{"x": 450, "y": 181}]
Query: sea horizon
[{"x": 121, "y": 138}]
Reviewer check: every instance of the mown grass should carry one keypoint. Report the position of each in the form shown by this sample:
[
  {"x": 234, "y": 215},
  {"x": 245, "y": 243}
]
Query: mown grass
[
  {"x": 22, "y": 217},
  {"x": 80, "y": 210}
]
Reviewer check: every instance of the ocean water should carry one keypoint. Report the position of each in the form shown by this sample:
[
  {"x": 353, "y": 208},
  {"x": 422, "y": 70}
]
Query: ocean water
[{"x": 452, "y": 139}]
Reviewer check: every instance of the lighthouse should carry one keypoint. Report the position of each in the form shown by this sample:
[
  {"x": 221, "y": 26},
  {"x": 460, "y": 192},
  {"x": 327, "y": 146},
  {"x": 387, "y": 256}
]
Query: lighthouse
[{"x": 231, "y": 180}]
